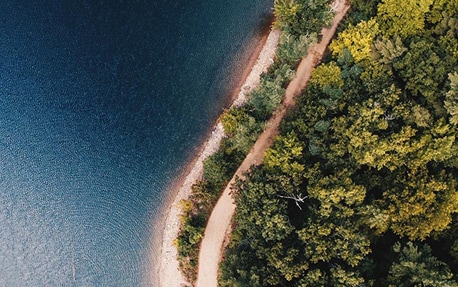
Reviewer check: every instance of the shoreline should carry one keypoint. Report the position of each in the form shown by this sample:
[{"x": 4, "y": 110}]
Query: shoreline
[
  {"x": 167, "y": 271},
  {"x": 218, "y": 226}
]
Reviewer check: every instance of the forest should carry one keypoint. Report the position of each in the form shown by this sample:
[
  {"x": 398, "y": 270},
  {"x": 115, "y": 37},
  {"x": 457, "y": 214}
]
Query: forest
[
  {"x": 360, "y": 187},
  {"x": 243, "y": 124}
]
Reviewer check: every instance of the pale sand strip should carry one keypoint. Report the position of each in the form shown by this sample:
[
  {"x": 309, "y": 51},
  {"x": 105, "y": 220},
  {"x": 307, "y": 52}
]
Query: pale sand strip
[
  {"x": 169, "y": 274},
  {"x": 218, "y": 226}
]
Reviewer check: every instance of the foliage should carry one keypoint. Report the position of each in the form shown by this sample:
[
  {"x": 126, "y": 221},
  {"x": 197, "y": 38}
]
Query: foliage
[
  {"x": 386, "y": 50},
  {"x": 426, "y": 204},
  {"x": 363, "y": 9},
  {"x": 190, "y": 235},
  {"x": 286, "y": 12},
  {"x": 415, "y": 266},
  {"x": 403, "y": 18},
  {"x": 232, "y": 119},
  {"x": 328, "y": 75},
  {"x": 300, "y": 17},
  {"x": 242, "y": 126},
  {"x": 368, "y": 158},
  {"x": 356, "y": 39},
  {"x": 422, "y": 70},
  {"x": 451, "y": 99},
  {"x": 283, "y": 157},
  {"x": 293, "y": 48},
  {"x": 265, "y": 99}
]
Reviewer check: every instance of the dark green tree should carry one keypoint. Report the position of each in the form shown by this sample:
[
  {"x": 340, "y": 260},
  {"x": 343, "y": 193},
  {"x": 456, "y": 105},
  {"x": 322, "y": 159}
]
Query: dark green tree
[{"x": 416, "y": 266}]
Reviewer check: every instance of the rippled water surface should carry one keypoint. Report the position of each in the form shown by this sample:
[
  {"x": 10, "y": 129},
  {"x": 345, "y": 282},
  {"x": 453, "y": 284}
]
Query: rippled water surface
[{"x": 101, "y": 104}]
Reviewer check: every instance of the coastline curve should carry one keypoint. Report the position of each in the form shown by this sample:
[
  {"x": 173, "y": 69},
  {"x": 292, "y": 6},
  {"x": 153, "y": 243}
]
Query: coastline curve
[
  {"x": 219, "y": 224},
  {"x": 169, "y": 274}
]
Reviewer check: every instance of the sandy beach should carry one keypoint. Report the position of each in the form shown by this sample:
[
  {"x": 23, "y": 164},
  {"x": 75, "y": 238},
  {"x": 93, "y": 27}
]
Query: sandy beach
[{"x": 169, "y": 274}]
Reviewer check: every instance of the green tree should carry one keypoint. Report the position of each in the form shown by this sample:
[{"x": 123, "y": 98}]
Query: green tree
[
  {"x": 331, "y": 232},
  {"x": 342, "y": 277},
  {"x": 415, "y": 266},
  {"x": 265, "y": 99},
  {"x": 263, "y": 226},
  {"x": 363, "y": 9},
  {"x": 386, "y": 50},
  {"x": 444, "y": 15},
  {"x": 231, "y": 119},
  {"x": 376, "y": 77},
  {"x": 286, "y": 12},
  {"x": 299, "y": 17},
  {"x": 423, "y": 71},
  {"x": 291, "y": 49}
]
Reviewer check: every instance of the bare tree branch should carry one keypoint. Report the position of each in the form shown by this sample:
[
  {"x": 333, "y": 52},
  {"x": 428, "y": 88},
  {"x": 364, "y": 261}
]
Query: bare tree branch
[{"x": 296, "y": 197}]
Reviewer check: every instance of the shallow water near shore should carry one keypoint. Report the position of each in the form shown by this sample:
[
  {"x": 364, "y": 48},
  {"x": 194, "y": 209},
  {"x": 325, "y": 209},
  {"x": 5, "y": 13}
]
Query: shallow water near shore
[{"x": 102, "y": 103}]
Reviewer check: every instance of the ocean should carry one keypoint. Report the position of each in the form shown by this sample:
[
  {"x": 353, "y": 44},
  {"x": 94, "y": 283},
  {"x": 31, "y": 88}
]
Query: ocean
[{"x": 102, "y": 105}]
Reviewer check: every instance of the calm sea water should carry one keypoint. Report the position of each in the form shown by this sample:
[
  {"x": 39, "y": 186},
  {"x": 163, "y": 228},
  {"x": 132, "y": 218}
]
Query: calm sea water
[{"x": 101, "y": 105}]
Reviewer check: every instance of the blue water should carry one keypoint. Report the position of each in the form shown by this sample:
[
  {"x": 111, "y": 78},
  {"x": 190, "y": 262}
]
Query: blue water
[{"x": 101, "y": 105}]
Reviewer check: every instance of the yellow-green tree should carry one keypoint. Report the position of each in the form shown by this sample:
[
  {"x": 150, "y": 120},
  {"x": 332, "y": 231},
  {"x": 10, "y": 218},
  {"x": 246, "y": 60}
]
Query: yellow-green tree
[
  {"x": 356, "y": 39},
  {"x": 404, "y": 18},
  {"x": 286, "y": 12},
  {"x": 327, "y": 75},
  {"x": 284, "y": 155},
  {"x": 420, "y": 204}
]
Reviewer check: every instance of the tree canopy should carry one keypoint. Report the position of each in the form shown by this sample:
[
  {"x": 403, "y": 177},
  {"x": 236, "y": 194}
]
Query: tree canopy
[{"x": 360, "y": 187}]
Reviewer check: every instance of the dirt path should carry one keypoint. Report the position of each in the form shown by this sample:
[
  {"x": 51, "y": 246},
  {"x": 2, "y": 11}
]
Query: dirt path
[
  {"x": 168, "y": 273},
  {"x": 219, "y": 223}
]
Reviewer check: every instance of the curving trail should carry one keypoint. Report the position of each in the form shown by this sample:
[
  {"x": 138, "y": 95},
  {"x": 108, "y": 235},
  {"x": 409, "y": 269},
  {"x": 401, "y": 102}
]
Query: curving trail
[
  {"x": 168, "y": 273},
  {"x": 219, "y": 223}
]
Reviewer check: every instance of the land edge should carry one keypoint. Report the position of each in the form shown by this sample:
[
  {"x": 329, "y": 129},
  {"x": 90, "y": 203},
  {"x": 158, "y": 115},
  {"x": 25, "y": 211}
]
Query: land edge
[
  {"x": 219, "y": 223},
  {"x": 167, "y": 274}
]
